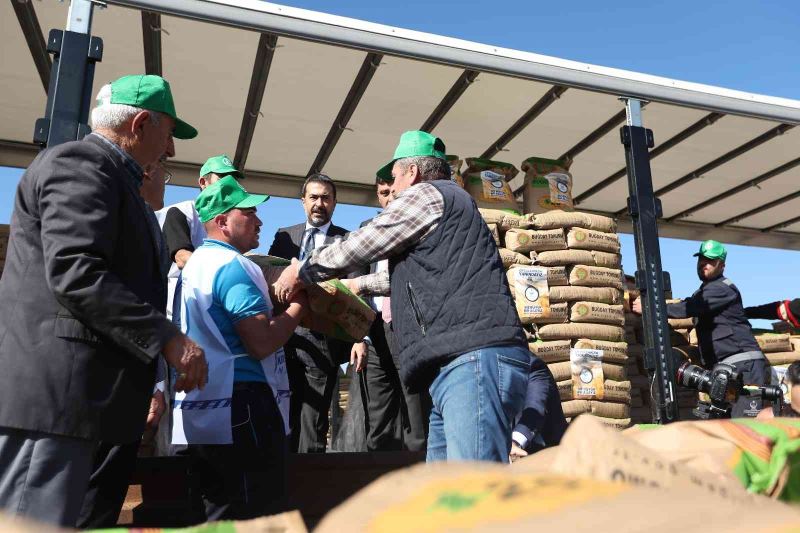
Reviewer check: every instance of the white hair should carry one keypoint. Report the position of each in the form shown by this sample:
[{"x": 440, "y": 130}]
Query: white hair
[{"x": 110, "y": 116}]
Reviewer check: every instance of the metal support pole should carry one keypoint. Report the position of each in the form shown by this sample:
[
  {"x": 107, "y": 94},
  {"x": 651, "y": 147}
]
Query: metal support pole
[
  {"x": 645, "y": 209},
  {"x": 69, "y": 95}
]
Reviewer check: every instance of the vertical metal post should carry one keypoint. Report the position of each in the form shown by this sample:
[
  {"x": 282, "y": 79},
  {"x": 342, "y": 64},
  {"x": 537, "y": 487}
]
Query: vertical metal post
[
  {"x": 69, "y": 95},
  {"x": 645, "y": 210}
]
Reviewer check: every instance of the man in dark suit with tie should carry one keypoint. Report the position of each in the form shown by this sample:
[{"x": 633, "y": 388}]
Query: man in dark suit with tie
[
  {"x": 81, "y": 330},
  {"x": 397, "y": 418},
  {"x": 312, "y": 359}
]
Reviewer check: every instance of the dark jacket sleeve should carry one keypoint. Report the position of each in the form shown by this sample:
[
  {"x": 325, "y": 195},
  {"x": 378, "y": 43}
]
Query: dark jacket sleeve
[
  {"x": 709, "y": 300},
  {"x": 542, "y": 412},
  {"x": 767, "y": 311},
  {"x": 177, "y": 234},
  {"x": 280, "y": 244},
  {"x": 80, "y": 229}
]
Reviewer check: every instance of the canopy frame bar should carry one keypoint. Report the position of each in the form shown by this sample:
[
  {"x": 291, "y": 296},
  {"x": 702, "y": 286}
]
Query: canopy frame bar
[
  {"x": 267, "y": 43},
  {"x": 151, "y": 42},
  {"x": 32, "y": 31},
  {"x": 673, "y": 141},
  {"x": 425, "y": 47},
  {"x": 368, "y": 67},
  {"x": 754, "y": 182},
  {"x": 548, "y": 99},
  {"x": 464, "y": 81},
  {"x": 759, "y": 209},
  {"x": 721, "y": 160},
  {"x": 781, "y": 224}
]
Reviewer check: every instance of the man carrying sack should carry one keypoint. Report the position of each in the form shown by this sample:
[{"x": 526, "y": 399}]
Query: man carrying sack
[{"x": 456, "y": 328}]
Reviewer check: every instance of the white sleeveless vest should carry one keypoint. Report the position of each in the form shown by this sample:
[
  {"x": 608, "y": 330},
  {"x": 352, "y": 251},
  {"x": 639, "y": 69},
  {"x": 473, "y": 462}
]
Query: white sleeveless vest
[{"x": 204, "y": 416}]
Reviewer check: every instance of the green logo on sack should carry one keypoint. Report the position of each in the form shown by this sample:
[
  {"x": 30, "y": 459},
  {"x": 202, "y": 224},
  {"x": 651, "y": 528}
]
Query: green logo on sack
[{"x": 583, "y": 310}]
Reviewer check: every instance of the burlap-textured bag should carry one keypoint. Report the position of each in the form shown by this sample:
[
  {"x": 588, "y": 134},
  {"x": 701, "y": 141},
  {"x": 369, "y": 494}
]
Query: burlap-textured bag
[
  {"x": 592, "y": 276},
  {"x": 588, "y": 239},
  {"x": 551, "y": 351},
  {"x": 567, "y": 219},
  {"x": 563, "y": 370},
  {"x": 597, "y": 313},
  {"x": 495, "y": 233},
  {"x": 774, "y": 342},
  {"x": 614, "y": 391},
  {"x": 613, "y": 352},
  {"x": 487, "y": 182},
  {"x": 581, "y": 331},
  {"x": 681, "y": 323},
  {"x": 577, "y": 257},
  {"x": 504, "y": 219},
  {"x": 529, "y": 240},
  {"x": 512, "y": 258},
  {"x": 782, "y": 358},
  {"x": 559, "y": 314},
  {"x": 570, "y": 293}
]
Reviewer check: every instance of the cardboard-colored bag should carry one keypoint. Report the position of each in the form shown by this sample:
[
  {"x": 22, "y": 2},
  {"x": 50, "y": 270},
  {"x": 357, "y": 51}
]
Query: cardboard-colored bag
[
  {"x": 495, "y": 234},
  {"x": 563, "y": 370},
  {"x": 551, "y": 351},
  {"x": 505, "y": 220},
  {"x": 547, "y": 185},
  {"x": 614, "y": 391},
  {"x": 510, "y": 258},
  {"x": 597, "y": 313},
  {"x": 577, "y": 257},
  {"x": 528, "y": 240},
  {"x": 487, "y": 182},
  {"x": 570, "y": 293},
  {"x": 589, "y": 239},
  {"x": 592, "y": 276},
  {"x": 574, "y": 219},
  {"x": 335, "y": 311},
  {"x": 528, "y": 285},
  {"x": 552, "y": 332},
  {"x": 613, "y": 352},
  {"x": 774, "y": 342}
]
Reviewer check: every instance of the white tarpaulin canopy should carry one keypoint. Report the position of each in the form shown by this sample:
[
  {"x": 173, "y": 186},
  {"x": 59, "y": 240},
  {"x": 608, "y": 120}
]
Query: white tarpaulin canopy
[{"x": 290, "y": 91}]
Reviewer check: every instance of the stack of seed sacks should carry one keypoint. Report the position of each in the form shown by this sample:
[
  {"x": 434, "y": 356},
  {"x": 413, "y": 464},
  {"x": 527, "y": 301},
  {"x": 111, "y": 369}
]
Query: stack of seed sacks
[
  {"x": 781, "y": 350},
  {"x": 684, "y": 344},
  {"x": 564, "y": 273}
]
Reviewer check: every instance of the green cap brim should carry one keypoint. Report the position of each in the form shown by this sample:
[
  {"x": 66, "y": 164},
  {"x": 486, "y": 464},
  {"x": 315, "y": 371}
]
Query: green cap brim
[
  {"x": 385, "y": 172},
  {"x": 183, "y": 130},
  {"x": 252, "y": 200},
  {"x": 698, "y": 254}
]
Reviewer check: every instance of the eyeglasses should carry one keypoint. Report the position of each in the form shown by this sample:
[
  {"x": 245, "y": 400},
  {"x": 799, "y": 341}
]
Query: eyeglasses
[{"x": 167, "y": 173}]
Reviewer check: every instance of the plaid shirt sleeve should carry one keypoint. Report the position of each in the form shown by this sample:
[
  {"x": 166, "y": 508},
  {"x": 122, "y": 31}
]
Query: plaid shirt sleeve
[{"x": 407, "y": 220}]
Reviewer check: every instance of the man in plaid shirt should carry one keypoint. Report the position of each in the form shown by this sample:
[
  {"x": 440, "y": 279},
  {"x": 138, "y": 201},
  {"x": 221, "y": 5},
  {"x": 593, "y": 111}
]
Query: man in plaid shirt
[{"x": 458, "y": 334}]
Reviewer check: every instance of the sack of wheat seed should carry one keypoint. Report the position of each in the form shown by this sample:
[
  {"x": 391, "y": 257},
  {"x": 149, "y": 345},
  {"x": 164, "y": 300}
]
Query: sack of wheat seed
[
  {"x": 774, "y": 342},
  {"x": 576, "y": 257},
  {"x": 587, "y": 374},
  {"x": 563, "y": 370},
  {"x": 588, "y": 239},
  {"x": 552, "y": 332},
  {"x": 592, "y": 276},
  {"x": 455, "y": 170},
  {"x": 527, "y": 240},
  {"x": 570, "y": 293},
  {"x": 547, "y": 185},
  {"x": 505, "y": 220},
  {"x": 597, "y": 313},
  {"x": 559, "y": 314},
  {"x": 510, "y": 258},
  {"x": 782, "y": 358},
  {"x": 487, "y": 182},
  {"x": 552, "y": 351},
  {"x": 615, "y": 391},
  {"x": 574, "y": 219},
  {"x": 681, "y": 323},
  {"x": 613, "y": 352},
  {"x": 528, "y": 285}
]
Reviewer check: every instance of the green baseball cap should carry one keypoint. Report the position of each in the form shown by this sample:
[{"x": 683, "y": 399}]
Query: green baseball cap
[
  {"x": 220, "y": 165},
  {"x": 413, "y": 144},
  {"x": 712, "y": 250},
  {"x": 224, "y": 195},
  {"x": 153, "y": 94}
]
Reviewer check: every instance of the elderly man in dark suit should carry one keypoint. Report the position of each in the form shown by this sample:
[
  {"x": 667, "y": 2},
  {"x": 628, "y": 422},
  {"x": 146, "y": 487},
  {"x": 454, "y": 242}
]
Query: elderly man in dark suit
[
  {"x": 81, "y": 332},
  {"x": 312, "y": 359}
]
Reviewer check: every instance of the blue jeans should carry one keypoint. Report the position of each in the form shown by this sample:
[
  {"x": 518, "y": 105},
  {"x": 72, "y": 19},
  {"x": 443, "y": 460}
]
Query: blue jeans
[{"x": 476, "y": 398}]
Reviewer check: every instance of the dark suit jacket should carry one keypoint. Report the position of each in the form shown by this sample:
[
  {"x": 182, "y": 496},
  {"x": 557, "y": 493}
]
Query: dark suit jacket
[
  {"x": 313, "y": 349},
  {"x": 79, "y": 332}
]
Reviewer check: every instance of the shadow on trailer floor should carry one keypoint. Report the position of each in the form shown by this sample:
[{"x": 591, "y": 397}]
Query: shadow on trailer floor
[{"x": 158, "y": 494}]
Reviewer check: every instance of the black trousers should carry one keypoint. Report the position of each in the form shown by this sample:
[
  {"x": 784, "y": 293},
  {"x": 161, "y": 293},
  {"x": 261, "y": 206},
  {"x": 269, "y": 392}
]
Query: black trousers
[
  {"x": 245, "y": 479},
  {"x": 754, "y": 372},
  {"x": 414, "y": 407},
  {"x": 108, "y": 485}
]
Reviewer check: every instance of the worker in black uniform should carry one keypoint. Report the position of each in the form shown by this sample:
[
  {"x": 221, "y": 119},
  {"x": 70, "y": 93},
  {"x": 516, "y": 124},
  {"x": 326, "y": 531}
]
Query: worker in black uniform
[
  {"x": 786, "y": 310},
  {"x": 723, "y": 332}
]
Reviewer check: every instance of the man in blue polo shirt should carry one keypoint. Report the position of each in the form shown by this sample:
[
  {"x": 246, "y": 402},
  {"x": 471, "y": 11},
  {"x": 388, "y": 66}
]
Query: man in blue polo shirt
[{"x": 235, "y": 429}]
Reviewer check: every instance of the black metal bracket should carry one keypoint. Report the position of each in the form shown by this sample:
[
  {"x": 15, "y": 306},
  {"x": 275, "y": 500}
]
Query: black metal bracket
[
  {"x": 69, "y": 95},
  {"x": 645, "y": 209}
]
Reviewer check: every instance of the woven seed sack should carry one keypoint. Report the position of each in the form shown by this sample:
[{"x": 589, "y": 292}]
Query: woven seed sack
[
  {"x": 589, "y": 239},
  {"x": 615, "y": 391},
  {"x": 574, "y": 219},
  {"x": 613, "y": 352},
  {"x": 592, "y": 276},
  {"x": 527, "y": 240},
  {"x": 774, "y": 342},
  {"x": 576, "y": 257},
  {"x": 597, "y": 313},
  {"x": 510, "y": 258},
  {"x": 495, "y": 234},
  {"x": 547, "y": 185},
  {"x": 505, "y": 220},
  {"x": 581, "y": 331},
  {"x": 604, "y": 295},
  {"x": 529, "y": 289},
  {"x": 563, "y": 370},
  {"x": 551, "y": 351},
  {"x": 487, "y": 182}
]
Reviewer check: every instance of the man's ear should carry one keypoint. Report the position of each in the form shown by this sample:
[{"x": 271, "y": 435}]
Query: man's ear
[
  {"x": 138, "y": 122},
  {"x": 221, "y": 221}
]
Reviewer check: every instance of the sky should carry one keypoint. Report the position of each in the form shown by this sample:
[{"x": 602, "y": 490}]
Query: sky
[{"x": 737, "y": 44}]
